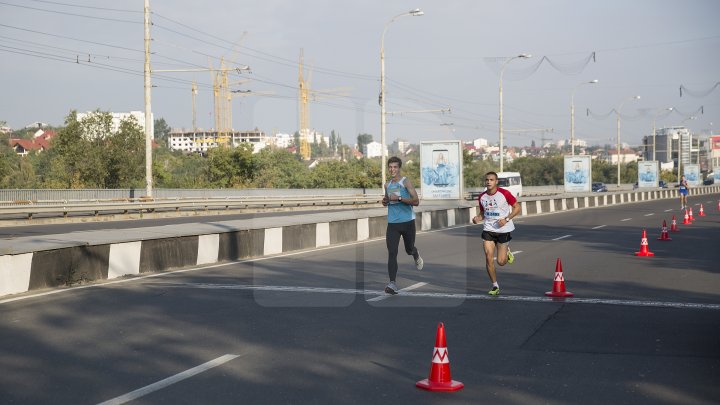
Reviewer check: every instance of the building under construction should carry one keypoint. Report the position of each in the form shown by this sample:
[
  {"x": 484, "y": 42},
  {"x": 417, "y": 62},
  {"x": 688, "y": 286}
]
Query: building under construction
[{"x": 200, "y": 141}]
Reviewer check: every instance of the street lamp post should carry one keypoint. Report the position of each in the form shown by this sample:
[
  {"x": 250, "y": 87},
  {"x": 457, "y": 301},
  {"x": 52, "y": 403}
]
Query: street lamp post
[
  {"x": 415, "y": 13},
  {"x": 617, "y": 112},
  {"x": 572, "y": 115},
  {"x": 502, "y": 70},
  {"x": 655, "y": 130}
]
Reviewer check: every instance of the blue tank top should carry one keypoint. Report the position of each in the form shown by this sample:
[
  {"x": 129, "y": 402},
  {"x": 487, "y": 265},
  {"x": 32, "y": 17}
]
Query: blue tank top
[{"x": 399, "y": 212}]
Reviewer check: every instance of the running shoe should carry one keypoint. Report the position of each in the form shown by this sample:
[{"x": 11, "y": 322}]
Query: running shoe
[
  {"x": 391, "y": 288},
  {"x": 494, "y": 291},
  {"x": 419, "y": 263},
  {"x": 511, "y": 257}
]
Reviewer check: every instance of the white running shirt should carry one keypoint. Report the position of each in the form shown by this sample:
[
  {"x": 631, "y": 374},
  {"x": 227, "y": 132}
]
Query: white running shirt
[{"x": 497, "y": 206}]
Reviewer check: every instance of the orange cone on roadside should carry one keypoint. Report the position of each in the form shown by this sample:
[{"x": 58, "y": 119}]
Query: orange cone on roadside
[
  {"x": 673, "y": 226},
  {"x": 559, "y": 283},
  {"x": 691, "y": 217},
  {"x": 440, "y": 379},
  {"x": 664, "y": 233},
  {"x": 702, "y": 212},
  {"x": 644, "y": 250},
  {"x": 686, "y": 220}
]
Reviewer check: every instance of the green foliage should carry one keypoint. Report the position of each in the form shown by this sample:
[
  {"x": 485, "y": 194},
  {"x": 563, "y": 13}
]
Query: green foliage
[
  {"x": 474, "y": 170},
  {"x": 669, "y": 176},
  {"x": 362, "y": 140},
  {"x": 161, "y": 132},
  {"x": 125, "y": 156},
  {"x": 280, "y": 169},
  {"x": 231, "y": 167},
  {"x": 539, "y": 171}
]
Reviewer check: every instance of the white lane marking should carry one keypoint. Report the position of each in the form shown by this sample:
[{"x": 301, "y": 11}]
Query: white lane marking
[
  {"x": 626, "y": 219},
  {"x": 408, "y": 288},
  {"x": 661, "y": 304},
  {"x": 562, "y": 237},
  {"x": 599, "y": 226},
  {"x": 170, "y": 380},
  {"x": 650, "y": 214},
  {"x": 669, "y": 210}
]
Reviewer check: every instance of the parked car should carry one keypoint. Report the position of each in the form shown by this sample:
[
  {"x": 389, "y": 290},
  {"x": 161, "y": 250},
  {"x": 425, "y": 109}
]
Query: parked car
[
  {"x": 599, "y": 188},
  {"x": 662, "y": 184},
  {"x": 709, "y": 181}
]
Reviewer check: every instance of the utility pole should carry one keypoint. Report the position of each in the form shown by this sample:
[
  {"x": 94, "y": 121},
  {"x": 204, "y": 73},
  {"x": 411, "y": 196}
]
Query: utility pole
[
  {"x": 194, "y": 114},
  {"x": 148, "y": 109}
]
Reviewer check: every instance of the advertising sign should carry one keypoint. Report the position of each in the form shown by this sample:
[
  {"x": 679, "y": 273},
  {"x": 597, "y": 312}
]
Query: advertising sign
[
  {"x": 692, "y": 174},
  {"x": 578, "y": 175},
  {"x": 441, "y": 170},
  {"x": 715, "y": 142},
  {"x": 648, "y": 174}
]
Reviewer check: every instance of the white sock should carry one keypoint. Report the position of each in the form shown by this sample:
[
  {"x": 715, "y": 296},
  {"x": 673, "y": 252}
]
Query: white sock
[{"x": 496, "y": 285}]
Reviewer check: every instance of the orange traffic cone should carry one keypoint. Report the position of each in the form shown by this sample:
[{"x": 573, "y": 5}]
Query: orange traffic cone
[
  {"x": 664, "y": 233},
  {"x": 673, "y": 226},
  {"x": 440, "y": 379},
  {"x": 691, "y": 217},
  {"x": 644, "y": 251},
  {"x": 559, "y": 283},
  {"x": 686, "y": 220},
  {"x": 702, "y": 212}
]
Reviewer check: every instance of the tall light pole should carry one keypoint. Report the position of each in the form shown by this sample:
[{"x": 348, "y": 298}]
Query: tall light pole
[
  {"x": 502, "y": 71},
  {"x": 148, "y": 109},
  {"x": 415, "y": 13},
  {"x": 572, "y": 115},
  {"x": 617, "y": 112},
  {"x": 655, "y": 130}
]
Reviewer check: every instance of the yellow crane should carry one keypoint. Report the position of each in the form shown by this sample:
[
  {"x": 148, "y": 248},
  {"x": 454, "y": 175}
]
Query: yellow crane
[{"x": 305, "y": 95}]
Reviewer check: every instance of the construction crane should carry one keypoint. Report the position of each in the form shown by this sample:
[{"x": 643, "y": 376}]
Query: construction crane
[{"x": 305, "y": 95}]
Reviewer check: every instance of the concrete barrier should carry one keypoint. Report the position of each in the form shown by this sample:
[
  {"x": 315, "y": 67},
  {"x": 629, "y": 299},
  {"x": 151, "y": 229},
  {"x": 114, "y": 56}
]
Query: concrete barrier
[{"x": 33, "y": 263}]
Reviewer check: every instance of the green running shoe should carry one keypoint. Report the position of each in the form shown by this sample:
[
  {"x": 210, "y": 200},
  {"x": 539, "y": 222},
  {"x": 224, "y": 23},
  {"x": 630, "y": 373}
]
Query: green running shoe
[
  {"x": 511, "y": 257},
  {"x": 494, "y": 291}
]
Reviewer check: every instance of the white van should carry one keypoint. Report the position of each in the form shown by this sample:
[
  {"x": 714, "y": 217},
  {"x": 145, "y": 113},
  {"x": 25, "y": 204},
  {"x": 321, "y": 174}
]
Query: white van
[{"x": 512, "y": 182}]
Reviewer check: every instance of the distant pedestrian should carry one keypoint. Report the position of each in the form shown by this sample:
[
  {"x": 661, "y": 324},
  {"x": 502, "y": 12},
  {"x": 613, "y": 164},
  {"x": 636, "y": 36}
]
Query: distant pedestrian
[
  {"x": 684, "y": 191},
  {"x": 497, "y": 209},
  {"x": 400, "y": 198}
]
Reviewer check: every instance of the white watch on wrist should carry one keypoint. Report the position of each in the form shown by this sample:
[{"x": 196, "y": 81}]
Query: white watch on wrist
[{"x": 507, "y": 219}]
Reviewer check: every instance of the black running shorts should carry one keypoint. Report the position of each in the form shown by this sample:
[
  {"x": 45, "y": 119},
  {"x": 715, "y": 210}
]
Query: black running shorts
[{"x": 497, "y": 237}]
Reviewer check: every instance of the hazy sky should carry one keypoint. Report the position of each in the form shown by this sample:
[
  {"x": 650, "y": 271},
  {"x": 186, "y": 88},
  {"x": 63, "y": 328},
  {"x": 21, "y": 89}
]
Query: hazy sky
[{"x": 448, "y": 58}]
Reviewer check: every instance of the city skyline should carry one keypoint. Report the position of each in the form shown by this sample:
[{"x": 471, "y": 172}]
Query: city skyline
[{"x": 450, "y": 58}]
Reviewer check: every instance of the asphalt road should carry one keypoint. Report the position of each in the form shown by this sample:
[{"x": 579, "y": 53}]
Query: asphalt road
[{"x": 314, "y": 327}]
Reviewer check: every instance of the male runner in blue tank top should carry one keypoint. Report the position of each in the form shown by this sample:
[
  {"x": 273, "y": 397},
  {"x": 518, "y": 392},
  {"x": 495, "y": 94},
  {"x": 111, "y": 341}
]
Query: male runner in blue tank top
[
  {"x": 400, "y": 197},
  {"x": 684, "y": 191}
]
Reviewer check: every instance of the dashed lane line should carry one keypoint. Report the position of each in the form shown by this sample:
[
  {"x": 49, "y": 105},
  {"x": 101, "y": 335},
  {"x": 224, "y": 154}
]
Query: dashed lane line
[
  {"x": 406, "y": 294},
  {"x": 130, "y": 396},
  {"x": 650, "y": 214},
  {"x": 599, "y": 226},
  {"x": 562, "y": 237},
  {"x": 625, "y": 219}
]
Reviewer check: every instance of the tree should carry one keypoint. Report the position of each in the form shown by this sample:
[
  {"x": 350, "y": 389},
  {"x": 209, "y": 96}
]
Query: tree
[
  {"x": 334, "y": 142},
  {"x": 362, "y": 140},
  {"x": 125, "y": 153},
  {"x": 280, "y": 169},
  {"x": 162, "y": 132}
]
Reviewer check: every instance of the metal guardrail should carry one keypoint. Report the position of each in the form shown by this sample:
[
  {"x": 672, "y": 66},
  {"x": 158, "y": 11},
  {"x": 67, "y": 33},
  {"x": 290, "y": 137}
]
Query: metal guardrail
[
  {"x": 120, "y": 203},
  {"x": 28, "y": 209}
]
